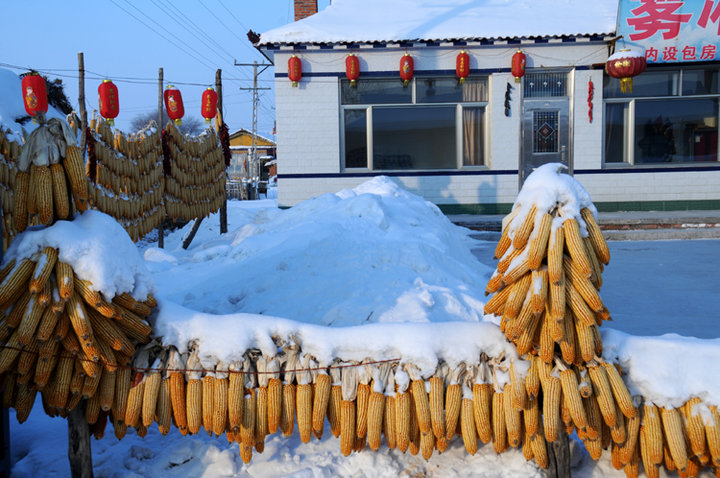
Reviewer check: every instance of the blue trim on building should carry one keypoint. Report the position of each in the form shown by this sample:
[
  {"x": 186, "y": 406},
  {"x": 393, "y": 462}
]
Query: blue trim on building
[{"x": 488, "y": 172}]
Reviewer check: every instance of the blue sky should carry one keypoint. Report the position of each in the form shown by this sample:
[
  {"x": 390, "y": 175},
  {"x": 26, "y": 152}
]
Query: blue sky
[{"x": 128, "y": 40}]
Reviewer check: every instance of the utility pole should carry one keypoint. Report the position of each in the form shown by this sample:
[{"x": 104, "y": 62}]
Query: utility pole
[{"x": 255, "y": 101}]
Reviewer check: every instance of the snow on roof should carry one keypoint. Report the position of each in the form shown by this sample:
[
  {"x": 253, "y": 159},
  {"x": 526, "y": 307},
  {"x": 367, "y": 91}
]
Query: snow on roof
[{"x": 397, "y": 20}]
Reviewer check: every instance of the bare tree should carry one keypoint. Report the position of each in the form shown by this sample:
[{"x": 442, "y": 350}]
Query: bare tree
[{"x": 190, "y": 125}]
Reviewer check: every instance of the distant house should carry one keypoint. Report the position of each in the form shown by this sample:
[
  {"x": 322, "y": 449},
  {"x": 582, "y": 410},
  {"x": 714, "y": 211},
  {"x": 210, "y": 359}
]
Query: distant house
[
  {"x": 467, "y": 146},
  {"x": 241, "y": 145}
]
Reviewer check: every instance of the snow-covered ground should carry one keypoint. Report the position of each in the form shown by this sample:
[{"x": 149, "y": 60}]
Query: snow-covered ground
[{"x": 379, "y": 255}]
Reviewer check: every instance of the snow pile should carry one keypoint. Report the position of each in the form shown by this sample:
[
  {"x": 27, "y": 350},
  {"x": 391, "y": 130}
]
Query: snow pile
[
  {"x": 372, "y": 254},
  {"x": 11, "y": 107},
  {"x": 98, "y": 249}
]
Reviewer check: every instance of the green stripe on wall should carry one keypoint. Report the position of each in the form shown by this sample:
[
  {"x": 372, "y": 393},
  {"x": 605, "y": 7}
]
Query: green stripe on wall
[{"x": 610, "y": 206}]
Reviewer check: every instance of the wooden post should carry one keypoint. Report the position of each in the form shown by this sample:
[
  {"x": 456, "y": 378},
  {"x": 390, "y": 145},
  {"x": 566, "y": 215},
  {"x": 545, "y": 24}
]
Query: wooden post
[
  {"x": 218, "y": 88},
  {"x": 161, "y": 226},
  {"x": 559, "y": 457},
  {"x": 79, "y": 443},
  {"x": 81, "y": 101}
]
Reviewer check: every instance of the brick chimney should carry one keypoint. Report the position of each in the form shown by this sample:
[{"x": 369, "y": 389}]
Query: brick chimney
[{"x": 305, "y": 8}]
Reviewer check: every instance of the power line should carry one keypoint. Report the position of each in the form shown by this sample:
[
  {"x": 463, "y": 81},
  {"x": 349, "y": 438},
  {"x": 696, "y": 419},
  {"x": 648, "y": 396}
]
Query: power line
[
  {"x": 233, "y": 15},
  {"x": 242, "y": 42},
  {"x": 200, "y": 60}
]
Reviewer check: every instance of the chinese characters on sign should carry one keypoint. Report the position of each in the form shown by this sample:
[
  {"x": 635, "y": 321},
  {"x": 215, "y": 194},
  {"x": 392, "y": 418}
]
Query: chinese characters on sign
[{"x": 671, "y": 30}]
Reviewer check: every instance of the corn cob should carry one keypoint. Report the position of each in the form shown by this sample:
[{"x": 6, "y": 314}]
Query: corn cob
[
  {"x": 453, "y": 402},
  {"x": 568, "y": 343},
  {"x": 530, "y": 334},
  {"x": 43, "y": 269},
  {"x": 178, "y": 397},
  {"x": 390, "y": 423},
  {"x": 422, "y": 406},
  {"x": 361, "y": 409},
  {"x": 245, "y": 453},
  {"x": 507, "y": 259},
  {"x": 546, "y": 342},
  {"x": 651, "y": 427},
  {"x": 106, "y": 330},
  {"x": 64, "y": 277},
  {"x": 517, "y": 297},
  {"x": 521, "y": 267},
  {"x": 208, "y": 400},
  {"x": 427, "y": 445},
  {"x": 133, "y": 326},
  {"x": 30, "y": 320},
  {"x": 482, "y": 404},
  {"x": 6, "y": 269},
  {"x": 47, "y": 325},
  {"x": 128, "y": 302},
  {"x": 467, "y": 426},
  {"x": 92, "y": 409},
  {"x": 59, "y": 191},
  {"x": 10, "y": 353},
  {"x": 274, "y": 404},
  {"x": 333, "y": 411},
  {"x": 75, "y": 171},
  {"x": 495, "y": 283},
  {"x": 503, "y": 244},
  {"x": 596, "y": 238},
  {"x": 287, "y": 418},
  {"x": 32, "y": 194},
  {"x": 620, "y": 391},
  {"x": 522, "y": 234},
  {"x": 46, "y": 361},
  {"x": 556, "y": 245},
  {"x": 437, "y": 409},
  {"x": 107, "y": 356},
  {"x": 632, "y": 467},
  {"x": 585, "y": 340},
  {"x": 500, "y": 439},
  {"x": 551, "y": 408},
  {"x": 594, "y": 419},
  {"x": 667, "y": 458},
  {"x": 619, "y": 431},
  {"x": 22, "y": 193},
  {"x": 106, "y": 391},
  {"x": 496, "y": 304},
  {"x": 513, "y": 418},
  {"x": 236, "y": 397},
  {"x": 134, "y": 405},
  {"x": 675, "y": 436},
  {"x": 150, "y": 397},
  {"x": 695, "y": 426},
  {"x": 575, "y": 246},
  {"x": 539, "y": 290},
  {"x": 24, "y": 400},
  {"x": 539, "y": 449},
  {"x": 712, "y": 431},
  {"x": 220, "y": 405},
  {"x": 44, "y": 194},
  {"x": 376, "y": 411},
  {"x": 15, "y": 282},
  {"x": 519, "y": 394},
  {"x": 603, "y": 392},
  {"x": 538, "y": 242},
  {"x": 402, "y": 417},
  {"x": 45, "y": 295},
  {"x": 163, "y": 408},
  {"x": 247, "y": 424},
  {"x": 531, "y": 418},
  {"x": 305, "y": 413},
  {"x": 26, "y": 362},
  {"x": 261, "y": 418},
  {"x": 630, "y": 446},
  {"x": 59, "y": 385},
  {"x": 320, "y": 403},
  {"x": 651, "y": 469},
  {"x": 18, "y": 310},
  {"x": 347, "y": 426}
]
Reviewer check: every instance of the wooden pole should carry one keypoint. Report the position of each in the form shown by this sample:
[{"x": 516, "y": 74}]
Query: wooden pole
[
  {"x": 81, "y": 101},
  {"x": 218, "y": 88},
  {"x": 79, "y": 443},
  {"x": 161, "y": 226},
  {"x": 559, "y": 457}
]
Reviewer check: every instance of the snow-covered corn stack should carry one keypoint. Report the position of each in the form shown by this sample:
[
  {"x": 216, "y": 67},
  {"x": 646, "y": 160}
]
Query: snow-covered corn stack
[
  {"x": 127, "y": 177},
  {"x": 195, "y": 184},
  {"x": 62, "y": 338},
  {"x": 9, "y": 154}
]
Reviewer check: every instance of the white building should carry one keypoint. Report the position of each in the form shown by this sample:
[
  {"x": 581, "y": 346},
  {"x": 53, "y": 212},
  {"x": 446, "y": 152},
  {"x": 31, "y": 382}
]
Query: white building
[{"x": 466, "y": 147}]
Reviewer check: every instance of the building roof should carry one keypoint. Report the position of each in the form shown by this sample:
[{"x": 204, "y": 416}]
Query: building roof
[
  {"x": 246, "y": 132},
  {"x": 368, "y": 21}
]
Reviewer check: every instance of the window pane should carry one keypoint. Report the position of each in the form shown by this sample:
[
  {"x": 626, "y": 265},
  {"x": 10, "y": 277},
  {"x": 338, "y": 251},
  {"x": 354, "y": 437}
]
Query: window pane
[
  {"x": 449, "y": 90},
  {"x": 676, "y": 130},
  {"x": 421, "y": 137},
  {"x": 545, "y": 131},
  {"x": 616, "y": 120},
  {"x": 700, "y": 82},
  {"x": 377, "y": 91},
  {"x": 473, "y": 136},
  {"x": 649, "y": 83},
  {"x": 355, "y": 139},
  {"x": 544, "y": 84}
]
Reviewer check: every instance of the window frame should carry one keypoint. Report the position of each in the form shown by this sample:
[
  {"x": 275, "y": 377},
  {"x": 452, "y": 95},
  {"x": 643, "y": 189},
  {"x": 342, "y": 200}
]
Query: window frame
[
  {"x": 629, "y": 128},
  {"x": 371, "y": 108}
]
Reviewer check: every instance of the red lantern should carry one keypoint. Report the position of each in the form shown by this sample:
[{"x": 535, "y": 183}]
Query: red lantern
[
  {"x": 209, "y": 104},
  {"x": 625, "y": 64},
  {"x": 109, "y": 101},
  {"x": 34, "y": 94},
  {"x": 352, "y": 68},
  {"x": 462, "y": 66},
  {"x": 518, "y": 65},
  {"x": 406, "y": 68},
  {"x": 174, "y": 104},
  {"x": 294, "y": 70}
]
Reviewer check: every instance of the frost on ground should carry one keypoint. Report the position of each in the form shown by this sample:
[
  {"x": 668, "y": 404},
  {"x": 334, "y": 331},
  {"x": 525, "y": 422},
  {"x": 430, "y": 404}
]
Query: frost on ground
[{"x": 374, "y": 255}]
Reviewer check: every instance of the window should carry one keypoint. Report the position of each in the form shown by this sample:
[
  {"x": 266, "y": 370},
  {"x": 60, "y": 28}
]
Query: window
[
  {"x": 670, "y": 117},
  {"x": 433, "y": 123}
]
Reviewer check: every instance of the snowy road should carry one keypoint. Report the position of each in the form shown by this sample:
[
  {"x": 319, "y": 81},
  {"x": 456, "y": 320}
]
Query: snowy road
[{"x": 657, "y": 287}]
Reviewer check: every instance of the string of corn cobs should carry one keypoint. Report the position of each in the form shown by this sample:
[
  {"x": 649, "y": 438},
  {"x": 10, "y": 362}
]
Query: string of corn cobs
[
  {"x": 9, "y": 154},
  {"x": 63, "y": 339}
]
